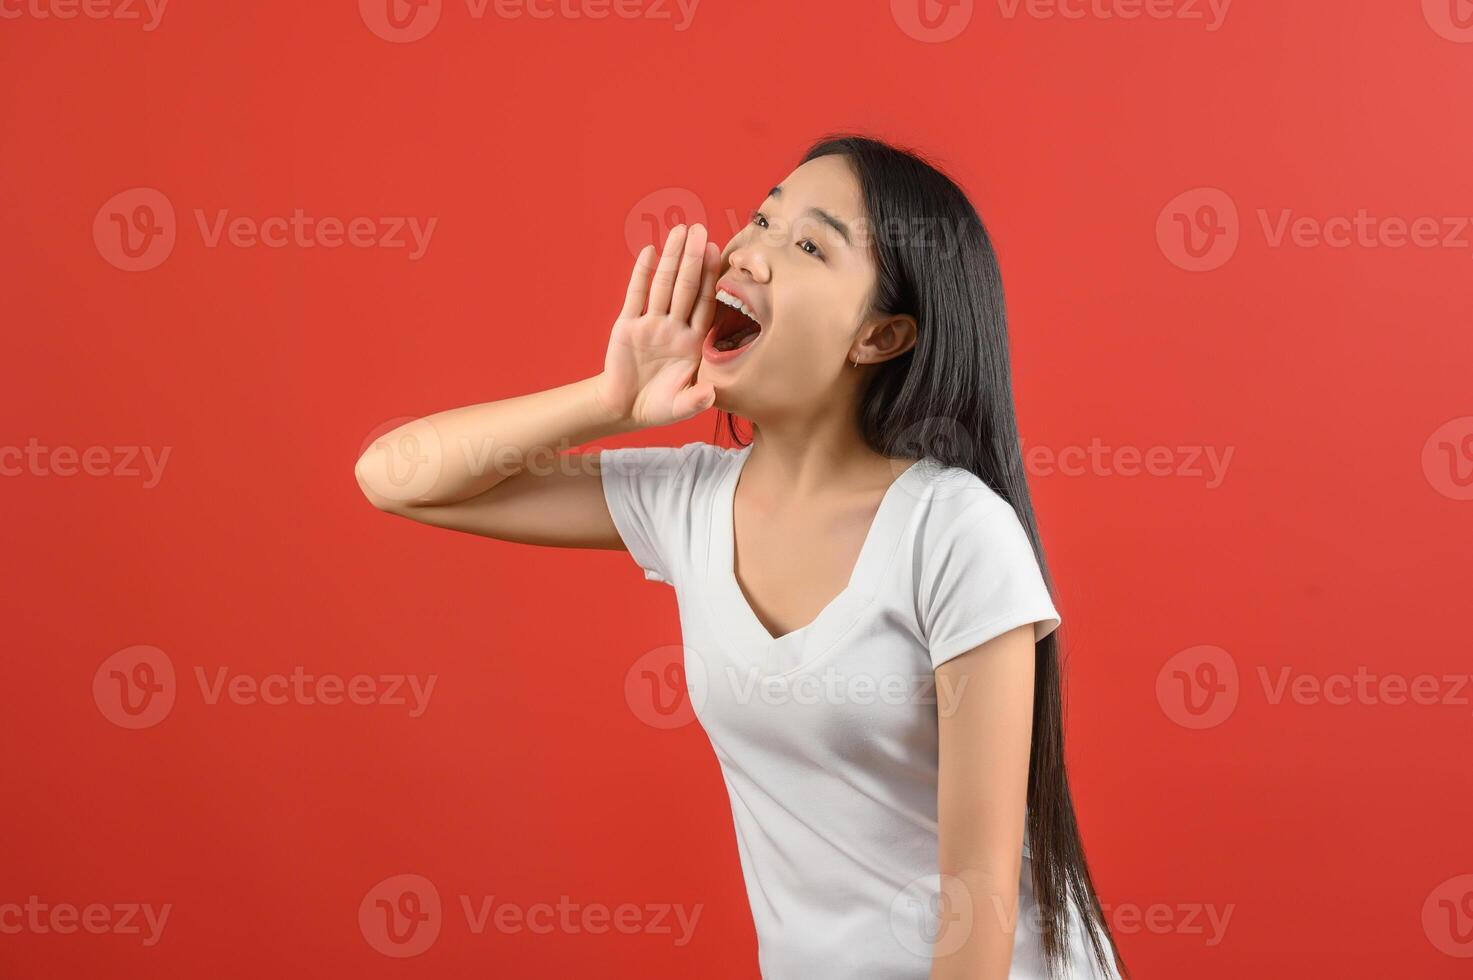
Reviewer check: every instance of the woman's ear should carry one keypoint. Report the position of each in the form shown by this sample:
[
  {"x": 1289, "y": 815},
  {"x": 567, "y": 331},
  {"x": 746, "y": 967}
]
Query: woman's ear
[{"x": 884, "y": 339}]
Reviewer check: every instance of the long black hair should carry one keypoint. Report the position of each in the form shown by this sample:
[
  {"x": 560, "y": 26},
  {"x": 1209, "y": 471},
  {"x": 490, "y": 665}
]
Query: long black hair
[{"x": 950, "y": 397}]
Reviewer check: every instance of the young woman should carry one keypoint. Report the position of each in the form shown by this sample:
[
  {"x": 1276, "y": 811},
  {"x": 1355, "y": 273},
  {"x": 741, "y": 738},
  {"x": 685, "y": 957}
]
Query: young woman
[{"x": 862, "y": 594}]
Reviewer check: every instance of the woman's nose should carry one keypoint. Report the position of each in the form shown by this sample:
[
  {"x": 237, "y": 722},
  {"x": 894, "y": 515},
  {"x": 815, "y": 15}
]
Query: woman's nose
[{"x": 749, "y": 260}]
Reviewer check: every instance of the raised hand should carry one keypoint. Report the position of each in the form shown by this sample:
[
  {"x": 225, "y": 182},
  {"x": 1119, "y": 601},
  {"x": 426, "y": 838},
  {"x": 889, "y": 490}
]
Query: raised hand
[{"x": 654, "y": 351}]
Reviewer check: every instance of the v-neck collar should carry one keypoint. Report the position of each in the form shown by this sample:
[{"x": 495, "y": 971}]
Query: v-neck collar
[{"x": 744, "y": 631}]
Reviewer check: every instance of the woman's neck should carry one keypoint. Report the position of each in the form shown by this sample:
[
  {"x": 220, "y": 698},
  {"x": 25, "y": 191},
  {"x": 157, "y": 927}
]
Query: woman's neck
[{"x": 813, "y": 457}]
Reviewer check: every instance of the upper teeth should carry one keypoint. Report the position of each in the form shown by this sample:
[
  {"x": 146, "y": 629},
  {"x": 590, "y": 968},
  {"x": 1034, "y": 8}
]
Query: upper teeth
[{"x": 731, "y": 300}]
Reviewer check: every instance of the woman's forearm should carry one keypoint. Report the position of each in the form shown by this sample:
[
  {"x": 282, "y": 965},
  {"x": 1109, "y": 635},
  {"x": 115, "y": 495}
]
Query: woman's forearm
[
  {"x": 648, "y": 379},
  {"x": 977, "y": 926},
  {"x": 475, "y": 447}
]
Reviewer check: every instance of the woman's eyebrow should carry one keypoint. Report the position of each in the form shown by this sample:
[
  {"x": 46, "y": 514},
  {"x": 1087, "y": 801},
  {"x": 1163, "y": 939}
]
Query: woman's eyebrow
[{"x": 821, "y": 215}]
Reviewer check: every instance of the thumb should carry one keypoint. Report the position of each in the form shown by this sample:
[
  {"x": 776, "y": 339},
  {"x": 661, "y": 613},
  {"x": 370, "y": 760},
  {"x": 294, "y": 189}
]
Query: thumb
[{"x": 696, "y": 398}]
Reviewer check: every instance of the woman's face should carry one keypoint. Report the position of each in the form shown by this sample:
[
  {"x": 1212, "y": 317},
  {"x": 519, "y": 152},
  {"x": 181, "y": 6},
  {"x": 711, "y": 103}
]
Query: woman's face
[{"x": 802, "y": 264}]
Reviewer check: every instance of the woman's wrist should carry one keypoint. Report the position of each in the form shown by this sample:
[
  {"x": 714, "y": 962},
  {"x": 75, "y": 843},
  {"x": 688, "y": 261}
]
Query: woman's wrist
[{"x": 600, "y": 416}]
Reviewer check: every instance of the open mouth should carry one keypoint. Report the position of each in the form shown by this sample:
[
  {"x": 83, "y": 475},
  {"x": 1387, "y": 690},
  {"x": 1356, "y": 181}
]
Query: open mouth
[{"x": 733, "y": 329}]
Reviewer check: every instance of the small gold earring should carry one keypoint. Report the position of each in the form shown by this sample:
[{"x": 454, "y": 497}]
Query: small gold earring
[{"x": 856, "y": 360}]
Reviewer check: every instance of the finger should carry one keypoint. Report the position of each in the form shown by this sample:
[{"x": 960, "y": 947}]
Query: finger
[
  {"x": 689, "y": 401},
  {"x": 639, "y": 282},
  {"x": 688, "y": 279},
  {"x": 664, "y": 282},
  {"x": 705, "y": 312}
]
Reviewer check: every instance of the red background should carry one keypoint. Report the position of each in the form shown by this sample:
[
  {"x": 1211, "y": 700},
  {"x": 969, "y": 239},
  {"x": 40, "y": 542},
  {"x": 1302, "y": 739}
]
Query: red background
[{"x": 1334, "y": 541}]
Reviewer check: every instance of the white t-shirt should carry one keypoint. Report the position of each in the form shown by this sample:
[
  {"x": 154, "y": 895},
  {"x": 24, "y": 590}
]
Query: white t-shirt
[{"x": 827, "y": 736}]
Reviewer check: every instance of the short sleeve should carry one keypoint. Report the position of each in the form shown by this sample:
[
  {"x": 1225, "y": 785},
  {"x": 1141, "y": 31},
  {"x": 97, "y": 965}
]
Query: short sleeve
[
  {"x": 980, "y": 580},
  {"x": 649, "y": 491}
]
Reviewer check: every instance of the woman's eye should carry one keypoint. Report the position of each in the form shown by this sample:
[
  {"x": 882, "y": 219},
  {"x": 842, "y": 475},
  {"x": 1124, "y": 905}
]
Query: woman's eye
[{"x": 760, "y": 220}]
